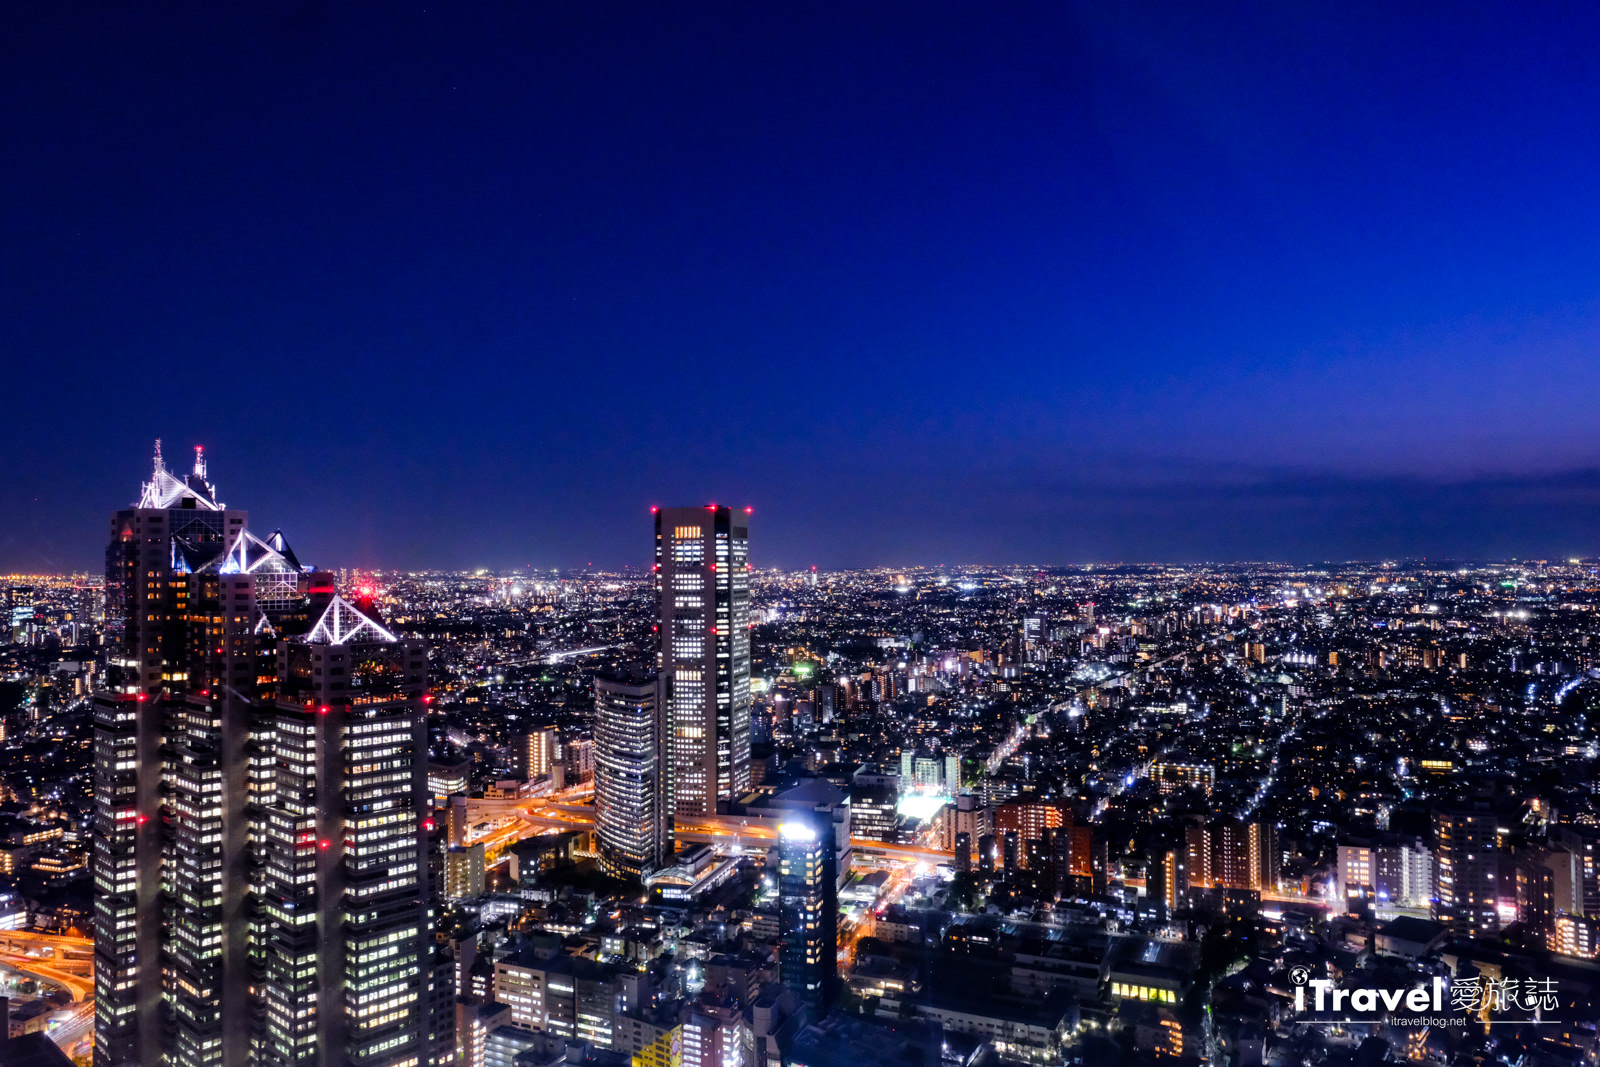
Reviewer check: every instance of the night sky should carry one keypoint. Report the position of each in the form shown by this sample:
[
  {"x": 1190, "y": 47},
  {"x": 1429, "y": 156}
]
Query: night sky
[{"x": 475, "y": 284}]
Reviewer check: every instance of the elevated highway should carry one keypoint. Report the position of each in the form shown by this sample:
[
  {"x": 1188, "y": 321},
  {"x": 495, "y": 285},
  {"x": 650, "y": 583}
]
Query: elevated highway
[
  {"x": 57, "y": 959},
  {"x": 505, "y": 821}
]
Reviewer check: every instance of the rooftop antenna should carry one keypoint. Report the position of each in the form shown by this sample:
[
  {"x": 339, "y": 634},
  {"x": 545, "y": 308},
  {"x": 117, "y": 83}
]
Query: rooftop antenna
[
  {"x": 159, "y": 465},
  {"x": 199, "y": 462}
]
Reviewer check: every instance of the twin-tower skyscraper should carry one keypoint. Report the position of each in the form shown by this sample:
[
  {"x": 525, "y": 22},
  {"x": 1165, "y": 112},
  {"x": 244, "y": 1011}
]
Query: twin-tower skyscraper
[
  {"x": 260, "y": 844},
  {"x": 261, "y": 822}
]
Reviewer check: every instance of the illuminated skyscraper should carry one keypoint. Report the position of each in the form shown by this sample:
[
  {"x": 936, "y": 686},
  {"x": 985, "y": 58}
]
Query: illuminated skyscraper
[
  {"x": 629, "y": 801},
  {"x": 169, "y": 798},
  {"x": 703, "y": 591},
  {"x": 808, "y": 909},
  {"x": 261, "y": 894},
  {"x": 342, "y": 941},
  {"x": 177, "y": 524}
]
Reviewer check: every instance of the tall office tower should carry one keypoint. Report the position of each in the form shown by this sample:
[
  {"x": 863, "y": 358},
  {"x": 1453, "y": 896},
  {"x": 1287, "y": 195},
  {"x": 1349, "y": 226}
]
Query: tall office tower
[
  {"x": 1466, "y": 866},
  {"x": 342, "y": 945},
  {"x": 703, "y": 593},
  {"x": 158, "y": 758},
  {"x": 808, "y": 910},
  {"x": 222, "y": 740},
  {"x": 629, "y": 803},
  {"x": 177, "y": 523}
]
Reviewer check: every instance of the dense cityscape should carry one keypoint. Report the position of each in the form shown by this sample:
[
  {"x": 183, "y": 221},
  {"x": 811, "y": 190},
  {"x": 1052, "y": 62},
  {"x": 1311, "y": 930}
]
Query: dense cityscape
[
  {"x": 909, "y": 534},
  {"x": 700, "y": 812}
]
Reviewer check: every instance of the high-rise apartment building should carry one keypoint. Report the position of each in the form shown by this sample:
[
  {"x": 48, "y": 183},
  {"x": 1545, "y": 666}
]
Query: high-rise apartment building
[
  {"x": 703, "y": 595},
  {"x": 464, "y": 874},
  {"x": 629, "y": 796},
  {"x": 966, "y": 814},
  {"x": 262, "y": 894},
  {"x": 1197, "y": 855},
  {"x": 1466, "y": 868},
  {"x": 1168, "y": 877},
  {"x": 541, "y": 752},
  {"x": 1232, "y": 854},
  {"x": 920, "y": 770},
  {"x": 1244, "y": 854},
  {"x": 1583, "y": 844},
  {"x": 1028, "y": 819},
  {"x": 1389, "y": 869}
]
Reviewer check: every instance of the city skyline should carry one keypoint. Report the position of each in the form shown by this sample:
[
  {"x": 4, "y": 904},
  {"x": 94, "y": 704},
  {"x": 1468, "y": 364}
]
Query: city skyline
[
  {"x": 330, "y": 819},
  {"x": 1250, "y": 500},
  {"x": 1170, "y": 632},
  {"x": 1257, "y": 285}
]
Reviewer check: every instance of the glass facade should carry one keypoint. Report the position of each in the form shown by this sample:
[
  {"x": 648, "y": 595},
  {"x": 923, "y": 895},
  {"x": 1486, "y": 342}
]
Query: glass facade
[
  {"x": 262, "y": 892},
  {"x": 628, "y": 799},
  {"x": 703, "y": 589}
]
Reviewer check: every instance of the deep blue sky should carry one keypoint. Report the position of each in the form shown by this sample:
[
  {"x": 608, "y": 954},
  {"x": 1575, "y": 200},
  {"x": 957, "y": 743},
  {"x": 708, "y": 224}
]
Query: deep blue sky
[{"x": 475, "y": 284}]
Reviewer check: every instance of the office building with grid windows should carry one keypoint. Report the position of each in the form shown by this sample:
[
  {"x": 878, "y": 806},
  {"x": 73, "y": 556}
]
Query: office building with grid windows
[
  {"x": 262, "y": 894},
  {"x": 629, "y": 796},
  {"x": 703, "y": 593}
]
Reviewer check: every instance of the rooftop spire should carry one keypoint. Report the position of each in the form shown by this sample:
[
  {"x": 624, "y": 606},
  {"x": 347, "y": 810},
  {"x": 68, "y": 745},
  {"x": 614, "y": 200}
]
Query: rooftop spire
[{"x": 166, "y": 489}]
